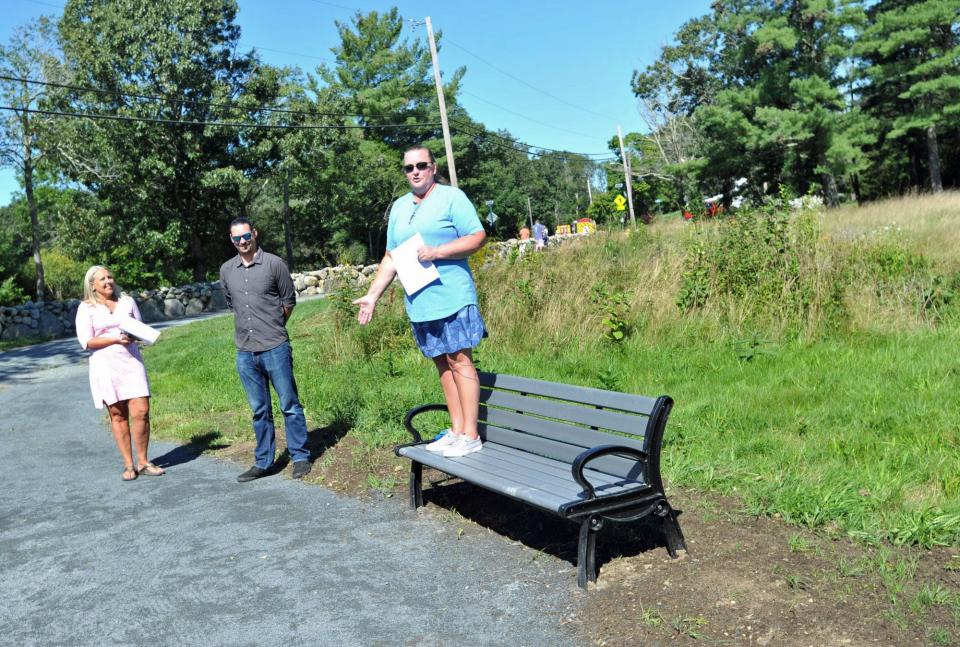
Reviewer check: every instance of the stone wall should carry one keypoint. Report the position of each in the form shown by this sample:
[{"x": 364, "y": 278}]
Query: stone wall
[
  {"x": 503, "y": 249},
  {"x": 52, "y": 319},
  {"x": 332, "y": 279}
]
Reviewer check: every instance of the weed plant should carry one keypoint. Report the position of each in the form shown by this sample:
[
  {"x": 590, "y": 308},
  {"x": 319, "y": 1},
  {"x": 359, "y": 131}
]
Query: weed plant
[{"x": 814, "y": 362}]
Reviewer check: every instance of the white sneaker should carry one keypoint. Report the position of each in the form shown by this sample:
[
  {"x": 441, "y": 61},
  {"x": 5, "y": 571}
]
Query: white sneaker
[
  {"x": 462, "y": 446},
  {"x": 441, "y": 443}
]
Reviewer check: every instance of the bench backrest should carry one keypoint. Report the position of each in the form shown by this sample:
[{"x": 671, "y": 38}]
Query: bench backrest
[{"x": 560, "y": 421}]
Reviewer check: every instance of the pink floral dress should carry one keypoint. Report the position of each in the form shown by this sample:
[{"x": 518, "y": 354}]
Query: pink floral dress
[{"x": 116, "y": 372}]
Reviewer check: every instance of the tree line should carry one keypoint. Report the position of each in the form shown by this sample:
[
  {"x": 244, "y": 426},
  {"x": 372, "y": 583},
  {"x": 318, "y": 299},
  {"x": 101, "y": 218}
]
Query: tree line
[
  {"x": 855, "y": 99},
  {"x": 140, "y": 129}
]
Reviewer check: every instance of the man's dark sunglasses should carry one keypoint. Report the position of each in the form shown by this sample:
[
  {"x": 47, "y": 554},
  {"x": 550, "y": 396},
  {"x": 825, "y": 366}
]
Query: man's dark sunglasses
[
  {"x": 237, "y": 239},
  {"x": 420, "y": 166}
]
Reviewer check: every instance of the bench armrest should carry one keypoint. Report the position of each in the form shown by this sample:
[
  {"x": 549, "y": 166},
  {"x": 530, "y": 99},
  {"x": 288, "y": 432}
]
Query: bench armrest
[
  {"x": 596, "y": 452},
  {"x": 416, "y": 411}
]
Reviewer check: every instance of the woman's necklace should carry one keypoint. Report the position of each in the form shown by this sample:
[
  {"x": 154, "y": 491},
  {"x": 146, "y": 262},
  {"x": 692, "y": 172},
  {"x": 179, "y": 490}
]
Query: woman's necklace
[{"x": 109, "y": 304}]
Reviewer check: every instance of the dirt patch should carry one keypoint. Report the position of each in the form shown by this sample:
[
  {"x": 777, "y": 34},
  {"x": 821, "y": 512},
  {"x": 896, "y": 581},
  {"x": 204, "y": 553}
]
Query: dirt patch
[
  {"x": 750, "y": 581},
  {"x": 744, "y": 581}
]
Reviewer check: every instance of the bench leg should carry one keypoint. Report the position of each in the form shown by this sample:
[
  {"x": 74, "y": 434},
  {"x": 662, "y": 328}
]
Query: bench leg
[
  {"x": 673, "y": 534},
  {"x": 416, "y": 485},
  {"x": 587, "y": 551}
]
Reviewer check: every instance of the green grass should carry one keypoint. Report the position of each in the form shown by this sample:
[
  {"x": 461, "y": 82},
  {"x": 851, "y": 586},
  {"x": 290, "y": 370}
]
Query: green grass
[
  {"x": 847, "y": 428},
  {"x": 854, "y": 435}
]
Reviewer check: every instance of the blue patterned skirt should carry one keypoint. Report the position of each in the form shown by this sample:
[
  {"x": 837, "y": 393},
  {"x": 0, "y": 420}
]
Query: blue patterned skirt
[{"x": 463, "y": 329}]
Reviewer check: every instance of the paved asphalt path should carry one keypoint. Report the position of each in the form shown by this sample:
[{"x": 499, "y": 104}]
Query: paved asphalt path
[{"x": 195, "y": 558}]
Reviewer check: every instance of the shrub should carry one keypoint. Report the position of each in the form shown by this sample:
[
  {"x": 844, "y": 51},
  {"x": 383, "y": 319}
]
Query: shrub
[
  {"x": 10, "y": 294},
  {"x": 63, "y": 275},
  {"x": 352, "y": 254}
]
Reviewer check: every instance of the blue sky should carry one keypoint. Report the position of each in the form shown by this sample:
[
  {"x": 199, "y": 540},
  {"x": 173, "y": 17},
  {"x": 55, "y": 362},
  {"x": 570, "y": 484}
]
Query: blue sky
[{"x": 555, "y": 74}]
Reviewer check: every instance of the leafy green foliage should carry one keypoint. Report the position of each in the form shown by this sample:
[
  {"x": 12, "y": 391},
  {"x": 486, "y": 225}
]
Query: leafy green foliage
[
  {"x": 183, "y": 179},
  {"x": 765, "y": 262},
  {"x": 839, "y": 96},
  {"x": 64, "y": 275},
  {"x": 913, "y": 87},
  {"x": 613, "y": 308}
]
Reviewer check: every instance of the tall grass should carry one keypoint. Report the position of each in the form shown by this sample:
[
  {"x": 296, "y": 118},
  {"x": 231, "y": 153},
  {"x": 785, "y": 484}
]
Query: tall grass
[{"x": 815, "y": 372}]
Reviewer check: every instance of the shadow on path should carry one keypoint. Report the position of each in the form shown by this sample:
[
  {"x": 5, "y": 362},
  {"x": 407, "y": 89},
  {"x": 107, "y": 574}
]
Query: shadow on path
[
  {"x": 21, "y": 364},
  {"x": 537, "y": 529},
  {"x": 190, "y": 451}
]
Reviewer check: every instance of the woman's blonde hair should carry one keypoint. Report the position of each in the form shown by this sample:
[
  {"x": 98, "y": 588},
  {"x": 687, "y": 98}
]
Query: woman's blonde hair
[{"x": 89, "y": 295}]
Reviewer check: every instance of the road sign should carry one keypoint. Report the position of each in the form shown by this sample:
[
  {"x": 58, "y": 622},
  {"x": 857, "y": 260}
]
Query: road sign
[{"x": 621, "y": 202}]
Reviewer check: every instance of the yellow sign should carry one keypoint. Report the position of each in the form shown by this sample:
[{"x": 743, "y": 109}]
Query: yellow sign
[
  {"x": 585, "y": 226},
  {"x": 621, "y": 203}
]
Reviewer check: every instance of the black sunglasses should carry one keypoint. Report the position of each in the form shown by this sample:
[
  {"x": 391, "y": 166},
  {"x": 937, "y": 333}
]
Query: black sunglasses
[
  {"x": 237, "y": 239},
  {"x": 420, "y": 166}
]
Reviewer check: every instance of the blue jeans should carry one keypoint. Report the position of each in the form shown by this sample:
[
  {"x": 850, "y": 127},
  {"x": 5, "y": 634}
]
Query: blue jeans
[{"x": 275, "y": 366}]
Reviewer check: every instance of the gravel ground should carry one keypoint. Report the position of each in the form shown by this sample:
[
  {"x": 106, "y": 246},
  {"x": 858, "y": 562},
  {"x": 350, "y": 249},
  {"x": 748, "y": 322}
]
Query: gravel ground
[{"x": 195, "y": 558}]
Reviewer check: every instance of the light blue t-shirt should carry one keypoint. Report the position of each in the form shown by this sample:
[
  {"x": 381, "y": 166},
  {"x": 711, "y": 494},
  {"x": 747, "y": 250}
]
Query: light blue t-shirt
[{"x": 446, "y": 214}]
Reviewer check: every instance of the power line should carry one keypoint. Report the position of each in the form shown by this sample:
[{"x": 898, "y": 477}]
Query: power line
[
  {"x": 509, "y": 144},
  {"x": 176, "y": 122},
  {"x": 316, "y": 113},
  {"x": 156, "y": 97},
  {"x": 331, "y": 4},
  {"x": 463, "y": 126},
  {"x": 519, "y": 80},
  {"x": 530, "y": 149},
  {"x": 288, "y": 53},
  {"x": 517, "y": 114}
]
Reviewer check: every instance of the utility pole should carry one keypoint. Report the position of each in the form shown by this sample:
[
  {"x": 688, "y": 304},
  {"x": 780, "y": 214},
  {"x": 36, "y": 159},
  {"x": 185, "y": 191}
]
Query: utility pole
[
  {"x": 443, "y": 105},
  {"x": 530, "y": 213},
  {"x": 626, "y": 175},
  {"x": 589, "y": 191}
]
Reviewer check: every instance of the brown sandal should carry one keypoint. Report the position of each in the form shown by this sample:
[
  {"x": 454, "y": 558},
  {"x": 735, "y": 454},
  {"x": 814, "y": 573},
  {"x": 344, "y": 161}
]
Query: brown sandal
[
  {"x": 151, "y": 470},
  {"x": 129, "y": 470}
]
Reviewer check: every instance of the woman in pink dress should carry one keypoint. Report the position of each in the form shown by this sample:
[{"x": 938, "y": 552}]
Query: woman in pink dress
[{"x": 118, "y": 378}]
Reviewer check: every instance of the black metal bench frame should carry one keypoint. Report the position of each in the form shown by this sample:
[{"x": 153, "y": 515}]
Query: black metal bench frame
[{"x": 550, "y": 422}]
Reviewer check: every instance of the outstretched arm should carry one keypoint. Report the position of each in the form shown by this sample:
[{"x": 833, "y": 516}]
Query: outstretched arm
[{"x": 385, "y": 274}]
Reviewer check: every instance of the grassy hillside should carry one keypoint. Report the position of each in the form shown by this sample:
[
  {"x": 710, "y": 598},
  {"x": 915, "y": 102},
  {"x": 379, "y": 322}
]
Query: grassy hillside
[{"x": 813, "y": 358}]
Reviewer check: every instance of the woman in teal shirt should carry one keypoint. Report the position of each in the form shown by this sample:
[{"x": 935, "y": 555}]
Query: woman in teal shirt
[{"x": 444, "y": 316}]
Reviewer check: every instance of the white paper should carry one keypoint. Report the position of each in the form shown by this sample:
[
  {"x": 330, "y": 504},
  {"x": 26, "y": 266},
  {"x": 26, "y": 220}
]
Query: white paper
[
  {"x": 140, "y": 330},
  {"x": 413, "y": 274}
]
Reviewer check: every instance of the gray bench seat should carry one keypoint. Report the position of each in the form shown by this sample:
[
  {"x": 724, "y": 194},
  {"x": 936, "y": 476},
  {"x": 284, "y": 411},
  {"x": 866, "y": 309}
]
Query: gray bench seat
[
  {"x": 584, "y": 454},
  {"x": 540, "y": 481}
]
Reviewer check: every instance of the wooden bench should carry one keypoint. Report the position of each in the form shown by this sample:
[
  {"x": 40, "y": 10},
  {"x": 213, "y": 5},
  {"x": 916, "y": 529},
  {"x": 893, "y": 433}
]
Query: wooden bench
[{"x": 584, "y": 454}]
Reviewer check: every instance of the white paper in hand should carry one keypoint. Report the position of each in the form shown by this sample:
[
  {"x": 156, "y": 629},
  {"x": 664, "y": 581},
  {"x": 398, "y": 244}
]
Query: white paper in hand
[
  {"x": 413, "y": 274},
  {"x": 140, "y": 330}
]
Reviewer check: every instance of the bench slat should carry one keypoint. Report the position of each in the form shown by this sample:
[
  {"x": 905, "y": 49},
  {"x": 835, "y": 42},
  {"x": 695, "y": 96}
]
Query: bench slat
[
  {"x": 529, "y": 465},
  {"x": 602, "y": 418},
  {"x": 614, "y": 465},
  {"x": 483, "y": 477},
  {"x": 583, "y": 394},
  {"x": 559, "y": 431},
  {"x": 486, "y": 468},
  {"x": 522, "y": 464}
]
